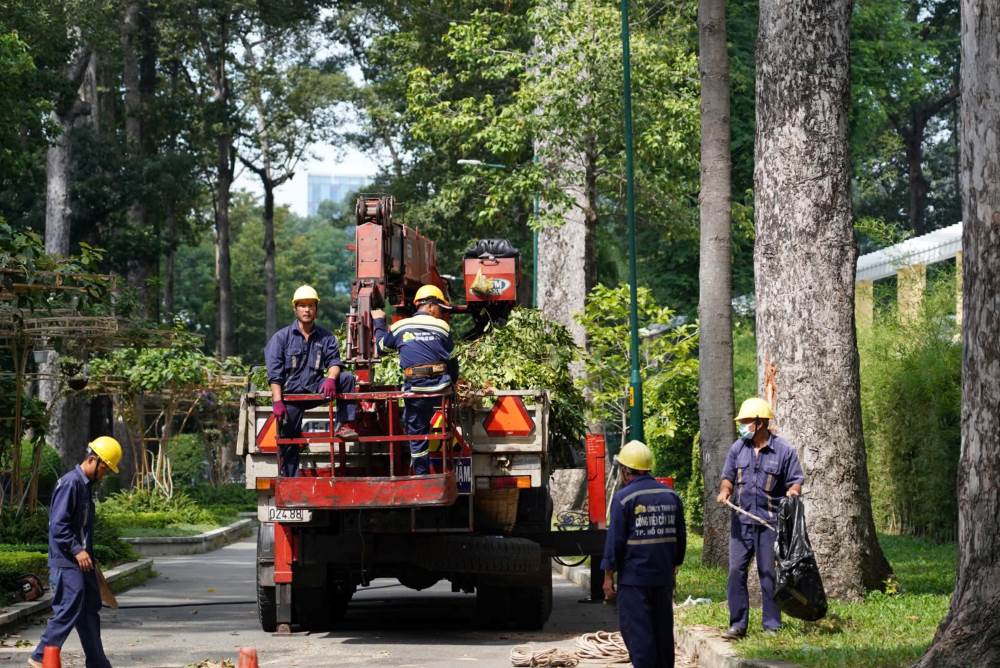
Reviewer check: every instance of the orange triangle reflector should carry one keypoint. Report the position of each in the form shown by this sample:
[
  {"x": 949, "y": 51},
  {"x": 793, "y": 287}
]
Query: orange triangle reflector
[
  {"x": 267, "y": 439},
  {"x": 509, "y": 417},
  {"x": 438, "y": 420}
]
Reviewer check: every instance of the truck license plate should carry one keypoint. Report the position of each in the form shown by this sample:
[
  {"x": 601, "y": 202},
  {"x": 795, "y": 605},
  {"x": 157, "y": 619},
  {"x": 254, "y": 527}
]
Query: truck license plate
[
  {"x": 272, "y": 514},
  {"x": 463, "y": 474}
]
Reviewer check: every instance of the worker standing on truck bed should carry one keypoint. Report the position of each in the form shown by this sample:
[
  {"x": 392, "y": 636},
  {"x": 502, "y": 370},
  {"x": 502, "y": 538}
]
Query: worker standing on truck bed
[
  {"x": 645, "y": 546},
  {"x": 763, "y": 468},
  {"x": 76, "y": 596},
  {"x": 425, "y": 345},
  {"x": 304, "y": 358}
]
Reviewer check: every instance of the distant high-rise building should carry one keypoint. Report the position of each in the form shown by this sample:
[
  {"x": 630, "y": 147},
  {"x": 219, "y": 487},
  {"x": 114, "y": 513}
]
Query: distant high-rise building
[{"x": 323, "y": 187}]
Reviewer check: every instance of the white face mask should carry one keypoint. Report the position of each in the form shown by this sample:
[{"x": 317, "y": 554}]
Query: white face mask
[{"x": 745, "y": 430}]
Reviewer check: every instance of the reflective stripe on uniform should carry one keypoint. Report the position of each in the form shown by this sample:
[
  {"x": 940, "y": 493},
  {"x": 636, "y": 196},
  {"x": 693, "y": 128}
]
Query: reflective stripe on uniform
[
  {"x": 431, "y": 388},
  {"x": 651, "y": 541},
  {"x": 422, "y": 453},
  {"x": 626, "y": 499}
]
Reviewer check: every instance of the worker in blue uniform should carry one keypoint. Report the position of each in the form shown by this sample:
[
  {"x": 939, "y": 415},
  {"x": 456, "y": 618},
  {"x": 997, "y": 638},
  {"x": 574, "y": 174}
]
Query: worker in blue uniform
[
  {"x": 762, "y": 468},
  {"x": 76, "y": 597},
  {"x": 425, "y": 346},
  {"x": 645, "y": 546},
  {"x": 304, "y": 358}
]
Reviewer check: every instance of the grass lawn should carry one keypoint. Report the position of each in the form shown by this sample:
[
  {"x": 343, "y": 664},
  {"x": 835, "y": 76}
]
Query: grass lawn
[{"x": 884, "y": 630}]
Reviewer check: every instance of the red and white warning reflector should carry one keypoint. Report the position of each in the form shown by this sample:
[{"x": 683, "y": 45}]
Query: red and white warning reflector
[
  {"x": 437, "y": 420},
  {"x": 509, "y": 417},
  {"x": 267, "y": 437}
]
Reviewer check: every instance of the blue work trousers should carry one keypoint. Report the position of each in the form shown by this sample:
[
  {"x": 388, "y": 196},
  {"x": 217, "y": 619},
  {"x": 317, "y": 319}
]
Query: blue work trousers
[
  {"x": 646, "y": 620},
  {"x": 76, "y": 603},
  {"x": 745, "y": 541},
  {"x": 292, "y": 426},
  {"x": 417, "y": 415}
]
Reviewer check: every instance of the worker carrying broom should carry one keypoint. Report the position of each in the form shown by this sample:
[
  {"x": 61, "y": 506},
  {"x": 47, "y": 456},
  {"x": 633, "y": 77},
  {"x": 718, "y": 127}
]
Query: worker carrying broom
[
  {"x": 763, "y": 468},
  {"x": 76, "y": 596},
  {"x": 304, "y": 358},
  {"x": 645, "y": 546},
  {"x": 425, "y": 345}
]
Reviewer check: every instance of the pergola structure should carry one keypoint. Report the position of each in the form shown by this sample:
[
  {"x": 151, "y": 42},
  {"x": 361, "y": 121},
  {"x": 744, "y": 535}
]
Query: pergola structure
[{"x": 907, "y": 261}]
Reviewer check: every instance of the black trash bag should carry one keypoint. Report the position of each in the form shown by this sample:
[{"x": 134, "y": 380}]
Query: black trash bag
[{"x": 799, "y": 589}]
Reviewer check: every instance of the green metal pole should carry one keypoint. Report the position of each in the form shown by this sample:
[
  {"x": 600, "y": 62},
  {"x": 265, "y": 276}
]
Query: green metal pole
[{"x": 636, "y": 430}]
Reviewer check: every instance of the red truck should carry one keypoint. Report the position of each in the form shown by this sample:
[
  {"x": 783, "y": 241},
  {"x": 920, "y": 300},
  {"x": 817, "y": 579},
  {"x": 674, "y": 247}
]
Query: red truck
[{"x": 481, "y": 519}]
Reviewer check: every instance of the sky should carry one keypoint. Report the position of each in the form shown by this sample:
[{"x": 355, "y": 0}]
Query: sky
[{"x": 328, "y": 160}]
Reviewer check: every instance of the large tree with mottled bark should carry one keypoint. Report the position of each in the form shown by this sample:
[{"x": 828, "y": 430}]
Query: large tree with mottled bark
[
  {"x": 804, "y": 259},
  {"x": 715, "y": 371},
  {"x": 970, "y": 633}
]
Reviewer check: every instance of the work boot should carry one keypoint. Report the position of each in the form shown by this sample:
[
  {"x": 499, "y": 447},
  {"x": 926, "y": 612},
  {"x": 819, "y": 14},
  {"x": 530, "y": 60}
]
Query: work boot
[
  {"x": 346, "y": 431},
  {"x": 734, "y": 633}
]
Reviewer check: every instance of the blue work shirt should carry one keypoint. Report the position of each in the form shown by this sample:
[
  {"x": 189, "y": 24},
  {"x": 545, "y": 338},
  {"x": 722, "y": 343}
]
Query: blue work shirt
[
  {"x": 761, "y": 480},
  {"x": 71, "y": 519},
  {"x": 297, "y": 364},
  {"x": 420, "y": 339},
  {"x": 646, "y": 538}
]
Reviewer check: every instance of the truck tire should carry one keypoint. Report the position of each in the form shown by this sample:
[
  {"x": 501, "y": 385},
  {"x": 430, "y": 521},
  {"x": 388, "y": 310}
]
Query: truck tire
[
  {"x": 267, "y": 609},
  {"x": 492, "y": 607},
  {"x": 483, "y": 554},
  {"x": 530, "y": 607}
]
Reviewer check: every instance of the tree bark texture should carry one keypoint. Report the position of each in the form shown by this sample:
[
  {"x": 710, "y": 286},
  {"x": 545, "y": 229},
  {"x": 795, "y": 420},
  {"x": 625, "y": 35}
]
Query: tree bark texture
[
  {"x": 715, "y": 359},
  {"x": 270, "y": 277},
  {"x": 804, "y": 259},
  {"x": 970, "y": 633},
  {"x": 224, "y": 167}
]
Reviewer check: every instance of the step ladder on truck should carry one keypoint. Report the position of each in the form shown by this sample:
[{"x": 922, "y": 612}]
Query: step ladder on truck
[{"x": 480, "y": 519}]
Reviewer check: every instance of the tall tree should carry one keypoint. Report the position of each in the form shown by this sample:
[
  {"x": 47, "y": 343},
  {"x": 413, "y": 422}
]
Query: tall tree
[
  {"x": 289, "y": 103},
  {"x": 968, "y": 635},
  {"x": 715, "y": 371},
  {"x": 804, "y": 259}
]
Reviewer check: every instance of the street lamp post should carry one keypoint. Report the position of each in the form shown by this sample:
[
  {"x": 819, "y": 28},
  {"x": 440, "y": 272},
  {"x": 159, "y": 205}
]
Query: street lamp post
[
  {"x": 636, "y": 430},
  {"x": 534, "y": 232}
]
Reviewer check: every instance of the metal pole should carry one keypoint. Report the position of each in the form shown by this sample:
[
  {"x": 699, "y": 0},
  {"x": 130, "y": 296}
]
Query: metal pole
[
  {"x": 534, "y": 249},
  {"x": 635, "y": 381}
]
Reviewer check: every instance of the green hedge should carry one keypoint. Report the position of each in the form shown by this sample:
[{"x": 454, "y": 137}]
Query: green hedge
[
  {"x": 150, "y": 508},
  {"x": 911, "y": 404},
  {"x": 188, "y": 459},
  {"x": 31, "y": 530},
  {"x": 15, "y": 563}
]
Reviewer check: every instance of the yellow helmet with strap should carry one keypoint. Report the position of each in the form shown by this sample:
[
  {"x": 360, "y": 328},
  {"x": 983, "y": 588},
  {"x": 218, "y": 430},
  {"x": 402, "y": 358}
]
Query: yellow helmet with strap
[
  {"x": 755, "y": 408},
  {"x": 108, "y": 450},
  {"x": 430, "y": 292},
  {"x": 636, "y": 455},
  {"x": 305, "y": 293}
]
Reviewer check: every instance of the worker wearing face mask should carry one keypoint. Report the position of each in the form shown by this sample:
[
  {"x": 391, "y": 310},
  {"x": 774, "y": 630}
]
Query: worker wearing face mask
[{"x": 762, "y": 469}]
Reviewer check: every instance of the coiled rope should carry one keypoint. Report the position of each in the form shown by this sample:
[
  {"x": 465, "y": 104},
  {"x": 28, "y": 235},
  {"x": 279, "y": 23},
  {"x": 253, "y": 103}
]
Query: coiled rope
[{"x": 599, "y": 647}]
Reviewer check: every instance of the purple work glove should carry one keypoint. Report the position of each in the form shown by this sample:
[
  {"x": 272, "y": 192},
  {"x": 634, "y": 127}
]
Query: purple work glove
[
  {"x": 329, "y": 388},
  {"x": 279, "y": 410}
]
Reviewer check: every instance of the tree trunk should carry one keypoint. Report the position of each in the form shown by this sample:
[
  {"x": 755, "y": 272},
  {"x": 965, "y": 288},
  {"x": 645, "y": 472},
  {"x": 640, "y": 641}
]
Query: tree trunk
[
  {"x": 969, "y": 634},
  {"x": 270, "y": 278},
  {"x": 913, "y": 142},
  {"x": 227, "y": 346},
  {"x": 715, "y": 359},
  {"x": 168, "y": 266},
  {"x": 804, "y": 259}
]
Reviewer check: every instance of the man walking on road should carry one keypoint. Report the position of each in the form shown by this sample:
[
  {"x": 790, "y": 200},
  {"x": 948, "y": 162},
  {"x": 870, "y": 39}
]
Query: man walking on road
[
  {"x": 76, "y": 597},
  {"x": 763, "y": 469},
  {"x": 304, "y": 358},
  {"x": 645, "y": 546},
  {"x": 425, "y": 345}
]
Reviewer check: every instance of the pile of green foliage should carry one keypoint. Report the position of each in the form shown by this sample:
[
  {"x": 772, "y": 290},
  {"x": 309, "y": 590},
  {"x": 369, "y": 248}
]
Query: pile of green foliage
[
  {"x": 530, "y": 352},
  {"x": 911, "y": 405},
  {"x": 150, "y": 508},
  {"x": 668, "y": 366}
]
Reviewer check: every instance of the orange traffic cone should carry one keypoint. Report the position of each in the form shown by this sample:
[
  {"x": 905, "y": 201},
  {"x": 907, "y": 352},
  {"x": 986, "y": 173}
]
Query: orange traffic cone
[
  {"x": 248, "y": 658},
  {"x": 50, "y": 658}
]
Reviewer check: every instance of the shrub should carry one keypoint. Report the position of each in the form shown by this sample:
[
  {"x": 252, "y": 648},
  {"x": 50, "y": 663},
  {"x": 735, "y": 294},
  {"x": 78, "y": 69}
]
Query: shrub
[
  {"x": 231, "y": 495},
  {"x": 911, "y": 406},
  {"x": 150, "y": 508},
  {"x": 31, "y": 530},
  {"x": 14, "y": 564},
  {"x": 744, "y": 361},
  {"x": 188, "y": 459},
  {"x": 694, "y": 499}
]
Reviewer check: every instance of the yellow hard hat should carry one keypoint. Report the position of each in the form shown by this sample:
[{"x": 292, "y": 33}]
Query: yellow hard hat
[
  {"x": 305, "y": 293},
  {"x": 636, "y": 455},
  {"x": 430, "y": 292},
  {"x": 108, "y": 450},
  {"x": 755, "y": 408}
]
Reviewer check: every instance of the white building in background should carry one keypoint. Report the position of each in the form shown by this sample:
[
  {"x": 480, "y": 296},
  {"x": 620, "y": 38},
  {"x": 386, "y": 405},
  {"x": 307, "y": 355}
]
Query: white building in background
[{"x": 323, "y": 187}]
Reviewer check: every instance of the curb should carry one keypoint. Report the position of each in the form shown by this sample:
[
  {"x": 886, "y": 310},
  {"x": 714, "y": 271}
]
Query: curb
[
  {"x": 702, "y": 642},
  {"x": 119, "y": 578},
  {"x": 170, "y": 546}
]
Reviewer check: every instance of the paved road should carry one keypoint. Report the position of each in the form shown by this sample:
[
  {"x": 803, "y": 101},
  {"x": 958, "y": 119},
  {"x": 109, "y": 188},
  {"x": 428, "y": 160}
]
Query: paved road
[{"x": 386, "y": 624}]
